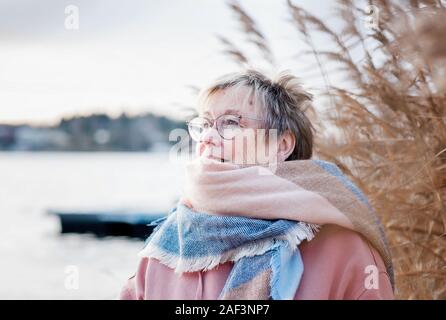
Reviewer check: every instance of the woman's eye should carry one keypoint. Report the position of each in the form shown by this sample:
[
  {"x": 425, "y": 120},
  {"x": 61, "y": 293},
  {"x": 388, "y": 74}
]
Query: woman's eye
[{"x": 231, "y": 123}]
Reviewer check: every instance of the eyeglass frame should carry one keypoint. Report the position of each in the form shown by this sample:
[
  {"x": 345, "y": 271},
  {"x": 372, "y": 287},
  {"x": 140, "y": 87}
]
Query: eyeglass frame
[{"x": 215, "y": 121}]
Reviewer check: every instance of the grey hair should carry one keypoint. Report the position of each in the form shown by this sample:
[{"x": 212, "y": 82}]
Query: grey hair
[{"x": 283, "y": 102}]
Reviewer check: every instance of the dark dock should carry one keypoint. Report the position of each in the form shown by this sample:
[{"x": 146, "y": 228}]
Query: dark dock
[{"x": 104, "y": 224}]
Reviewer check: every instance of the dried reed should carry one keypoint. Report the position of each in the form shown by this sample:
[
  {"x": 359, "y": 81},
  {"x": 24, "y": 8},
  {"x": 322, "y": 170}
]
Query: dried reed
[{"x": 390, "y": 120}]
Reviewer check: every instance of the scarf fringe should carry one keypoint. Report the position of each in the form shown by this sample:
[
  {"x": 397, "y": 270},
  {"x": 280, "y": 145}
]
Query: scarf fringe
[{"x": 301, "y": 231}]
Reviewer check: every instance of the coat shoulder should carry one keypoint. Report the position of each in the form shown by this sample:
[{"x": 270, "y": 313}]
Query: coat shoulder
[{"x": 341, "y": 264}]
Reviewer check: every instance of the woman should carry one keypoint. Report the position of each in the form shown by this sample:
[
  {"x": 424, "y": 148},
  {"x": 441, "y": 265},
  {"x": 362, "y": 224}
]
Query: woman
[{"x": 259, "y": 219}]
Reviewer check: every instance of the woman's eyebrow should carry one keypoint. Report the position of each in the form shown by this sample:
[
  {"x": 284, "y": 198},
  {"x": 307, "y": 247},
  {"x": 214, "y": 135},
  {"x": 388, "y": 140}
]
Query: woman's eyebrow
[
  {"x": 232, "y": 111},
  {"x": 228, "y": 111}
]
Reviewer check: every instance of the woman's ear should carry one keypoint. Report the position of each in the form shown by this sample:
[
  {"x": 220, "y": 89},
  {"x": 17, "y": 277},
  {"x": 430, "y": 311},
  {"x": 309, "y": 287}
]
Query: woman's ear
[{"x": 286, "y": 144}]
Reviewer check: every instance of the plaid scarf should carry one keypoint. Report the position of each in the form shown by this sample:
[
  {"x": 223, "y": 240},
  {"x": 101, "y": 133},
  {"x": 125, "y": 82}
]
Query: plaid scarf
[
  {"x": 264, "y": 251},
  {"x": 257, "y": 219}
]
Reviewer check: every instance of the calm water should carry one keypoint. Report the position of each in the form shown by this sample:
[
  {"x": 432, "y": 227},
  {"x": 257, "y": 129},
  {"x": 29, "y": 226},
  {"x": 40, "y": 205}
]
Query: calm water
[{"x": 36, "y": 262}]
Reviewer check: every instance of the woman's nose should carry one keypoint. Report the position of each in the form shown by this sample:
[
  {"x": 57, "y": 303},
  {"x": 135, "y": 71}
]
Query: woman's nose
[{"x": 210, "y": 136}]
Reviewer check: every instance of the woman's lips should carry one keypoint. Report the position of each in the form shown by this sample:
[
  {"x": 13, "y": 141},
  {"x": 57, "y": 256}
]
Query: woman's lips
[
  {"x": 218, "y": 159},
  {"x": 209, "y": 153},
  {"x": 215, "y": 158}
]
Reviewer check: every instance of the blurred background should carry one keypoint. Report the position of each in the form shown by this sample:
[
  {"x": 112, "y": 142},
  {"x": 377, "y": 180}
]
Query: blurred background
[{"x": 90, "y": 92}]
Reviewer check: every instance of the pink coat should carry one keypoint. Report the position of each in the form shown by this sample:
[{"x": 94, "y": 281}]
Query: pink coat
[{"x": 336, "y": 266}]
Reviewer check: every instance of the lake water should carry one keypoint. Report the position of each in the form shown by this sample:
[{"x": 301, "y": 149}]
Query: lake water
[{"x": 36, "y": 261}]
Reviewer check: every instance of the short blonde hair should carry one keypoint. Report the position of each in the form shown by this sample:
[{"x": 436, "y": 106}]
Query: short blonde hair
[{"x": 282, "y": 99}]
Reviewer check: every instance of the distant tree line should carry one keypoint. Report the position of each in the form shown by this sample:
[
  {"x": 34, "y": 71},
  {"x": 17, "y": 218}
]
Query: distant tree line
[{"x": 97, "y": 132}]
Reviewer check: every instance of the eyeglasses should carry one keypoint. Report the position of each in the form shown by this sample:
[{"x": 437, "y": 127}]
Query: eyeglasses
[{"x": 227, "y": 126}]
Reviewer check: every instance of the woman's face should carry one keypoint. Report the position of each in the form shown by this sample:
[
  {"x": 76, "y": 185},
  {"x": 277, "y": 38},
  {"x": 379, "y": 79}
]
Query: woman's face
[{"x": 249, "y": 141}]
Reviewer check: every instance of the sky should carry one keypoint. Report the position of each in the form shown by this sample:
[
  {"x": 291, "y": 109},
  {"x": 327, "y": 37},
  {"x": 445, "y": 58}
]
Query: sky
[{"x": 126, "y": 56}]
